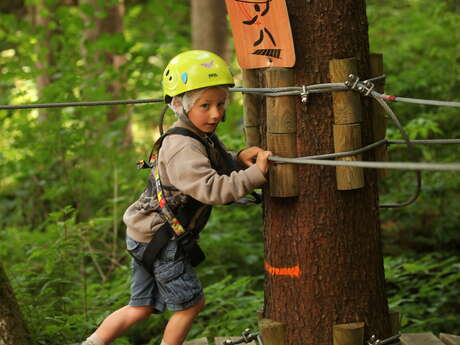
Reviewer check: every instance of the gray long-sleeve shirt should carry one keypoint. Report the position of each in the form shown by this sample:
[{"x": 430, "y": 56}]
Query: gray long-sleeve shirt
[{"x": 183, "y": 164}]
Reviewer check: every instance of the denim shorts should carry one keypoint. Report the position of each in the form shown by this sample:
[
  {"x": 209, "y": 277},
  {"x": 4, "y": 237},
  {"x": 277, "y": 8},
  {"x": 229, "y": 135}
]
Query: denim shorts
[{"x": 174, "y": 283}]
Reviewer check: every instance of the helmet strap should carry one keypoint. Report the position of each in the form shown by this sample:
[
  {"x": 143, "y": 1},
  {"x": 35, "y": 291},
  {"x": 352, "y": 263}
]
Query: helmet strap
[{"x": 184, "y": 117}]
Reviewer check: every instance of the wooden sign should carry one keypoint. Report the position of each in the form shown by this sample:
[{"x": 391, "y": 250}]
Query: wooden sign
[{"x": 262, "y": 33}]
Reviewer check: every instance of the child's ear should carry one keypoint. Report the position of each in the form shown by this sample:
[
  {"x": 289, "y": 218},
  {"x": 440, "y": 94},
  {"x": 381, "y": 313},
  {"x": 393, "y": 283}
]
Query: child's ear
[{"x": 176, "y": 104}]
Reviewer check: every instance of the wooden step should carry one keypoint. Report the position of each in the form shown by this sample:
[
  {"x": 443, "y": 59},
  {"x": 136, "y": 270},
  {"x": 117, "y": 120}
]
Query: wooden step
[
  {"x": 420, "y": 339},
  {"x": 449, "y": 339}
]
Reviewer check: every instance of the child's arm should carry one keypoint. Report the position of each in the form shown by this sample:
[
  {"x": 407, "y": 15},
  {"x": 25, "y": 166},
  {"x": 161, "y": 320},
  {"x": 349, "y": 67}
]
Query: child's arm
[
  {"x": 255, "y": 155},
  {"x": 248, "y": 156},
  {"x": 262, "y": 161},
  {"x": 185, "y": 165}
]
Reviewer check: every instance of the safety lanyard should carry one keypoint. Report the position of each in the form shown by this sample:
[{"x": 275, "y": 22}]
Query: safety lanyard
[{"x": 166, "y": 210}]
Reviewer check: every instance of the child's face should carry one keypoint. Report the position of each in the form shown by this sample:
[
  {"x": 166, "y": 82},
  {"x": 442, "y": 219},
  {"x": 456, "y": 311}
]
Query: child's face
[{"x": 208, "y": 110}]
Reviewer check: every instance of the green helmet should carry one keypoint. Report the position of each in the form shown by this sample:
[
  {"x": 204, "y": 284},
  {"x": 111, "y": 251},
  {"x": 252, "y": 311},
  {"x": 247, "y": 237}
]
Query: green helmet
[{"x": 194, "y": 69}]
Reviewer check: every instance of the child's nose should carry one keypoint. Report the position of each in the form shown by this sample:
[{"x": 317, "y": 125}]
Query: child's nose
[{"x": 215, "y": 113}]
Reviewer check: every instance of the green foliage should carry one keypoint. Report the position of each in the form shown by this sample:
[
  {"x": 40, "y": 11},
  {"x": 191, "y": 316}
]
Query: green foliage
[
  {"x": 425, "y": 291},
  {"x": 419, "y": 41},
  {"x": 63, "y": 278}
]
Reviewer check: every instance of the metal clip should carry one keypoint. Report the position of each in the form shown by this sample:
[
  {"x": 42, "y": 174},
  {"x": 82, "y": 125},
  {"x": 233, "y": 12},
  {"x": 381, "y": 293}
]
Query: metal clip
[
  {"x": 352, "y": 81},
  {"x": 304, "y": 94},
  {"x": 370, "y": 87}
]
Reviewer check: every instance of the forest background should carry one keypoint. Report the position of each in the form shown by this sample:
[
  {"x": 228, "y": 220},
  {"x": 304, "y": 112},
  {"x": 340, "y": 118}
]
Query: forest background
[{"x": 67, "y": 175}]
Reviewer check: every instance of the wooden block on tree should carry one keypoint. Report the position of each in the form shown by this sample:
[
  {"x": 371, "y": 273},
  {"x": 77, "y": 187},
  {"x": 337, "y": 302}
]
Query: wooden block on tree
[
  {"x": 283, "y": 177},
  {"x": 220, "y": 340},
  {"x": 420, "y": 339},
  {"x": 281, "y": 110},
  {"x": 272, "y": 332},
  {"x": 199, "y": 341},
  {"x": 251, "y": 109},
  {"x": 346, "y": 104},
  {"x": 449, "y": 339},
  {"x": 348, "y": 334},
  {"x": 395, "y": 321},
  {"x": 378, "y": 114},
  {"x": 348, "y": 138}
]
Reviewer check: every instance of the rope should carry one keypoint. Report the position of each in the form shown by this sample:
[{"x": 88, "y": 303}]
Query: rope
[
  {"x": 80, "y": 104},
  {"x": 365, "y": 87},
  {"x": 410, "y": 148},
  {"x": 427, "y": 141},
  {"x": 419, "y": 101},
  {"x": 268, "y": 92},
  {"x": 374, "y": 165},
  {"x": 345, "y": 153}
]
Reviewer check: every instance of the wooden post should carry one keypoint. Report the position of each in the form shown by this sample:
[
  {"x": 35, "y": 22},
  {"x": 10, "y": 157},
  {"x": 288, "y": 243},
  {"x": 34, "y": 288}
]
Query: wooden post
[
  {"x": 395, "y": 321},
  {"x": 272, "y": 332},
  {"x": 251, "y": 109},
  {"x": 281, "y": 133},
  {"x": 379, "y": 121},
  {"x": 348, "y": 334},
  {"x": 347, "y": 123}
]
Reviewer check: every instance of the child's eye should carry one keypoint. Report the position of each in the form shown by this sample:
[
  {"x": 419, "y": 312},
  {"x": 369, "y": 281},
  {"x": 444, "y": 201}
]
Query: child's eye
[
  {"x": 221, "y": 104},
  {"x": 205, "y": 105}
]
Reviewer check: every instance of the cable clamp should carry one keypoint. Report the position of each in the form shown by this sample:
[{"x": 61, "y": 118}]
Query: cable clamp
[
  {"x": 352, "y": 82},
  {"x": 369, "y": 87},
  {"x": 304, "y": 94}
]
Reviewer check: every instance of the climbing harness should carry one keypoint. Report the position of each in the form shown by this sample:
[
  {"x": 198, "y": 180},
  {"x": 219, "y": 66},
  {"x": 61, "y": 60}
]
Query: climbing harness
[
  {"x": 246, "y": 337},
  {"x": 176, "y": 223}
]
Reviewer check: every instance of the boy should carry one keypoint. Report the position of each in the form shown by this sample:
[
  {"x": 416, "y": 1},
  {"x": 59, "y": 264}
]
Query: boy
[{"x": 195, "y": 172}]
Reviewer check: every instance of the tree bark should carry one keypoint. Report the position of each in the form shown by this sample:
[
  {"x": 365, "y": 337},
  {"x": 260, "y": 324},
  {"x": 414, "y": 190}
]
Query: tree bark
[
  {"x": 209, "y": 26},
  {"x": 324, "y": 263},
  {"x": 12, "y": 328}
]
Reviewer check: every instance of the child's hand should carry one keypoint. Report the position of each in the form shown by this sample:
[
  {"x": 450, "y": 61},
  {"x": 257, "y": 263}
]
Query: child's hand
[
  {"x": 248, "y": 156},
  {"x": 262, "y": 161}
]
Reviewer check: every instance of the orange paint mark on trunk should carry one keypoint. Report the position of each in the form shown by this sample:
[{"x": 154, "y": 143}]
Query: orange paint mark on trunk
[{"x": 293, "y": 272}]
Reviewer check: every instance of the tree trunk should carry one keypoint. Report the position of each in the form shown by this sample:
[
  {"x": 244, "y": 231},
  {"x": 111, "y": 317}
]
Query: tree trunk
[
  {"x": 39, "y": 16},
  {"x": 209, "y": 26},
  {"x": 331, "y": 237},
  {"x": 12, "y": 328},
  {"x": 111, "y": 23}
]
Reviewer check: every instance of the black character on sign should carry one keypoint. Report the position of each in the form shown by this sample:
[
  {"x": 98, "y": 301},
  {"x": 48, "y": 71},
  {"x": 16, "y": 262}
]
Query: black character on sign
[
  {"x": 261, "y": 8},
  {"x": 254, "y": 20}
]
